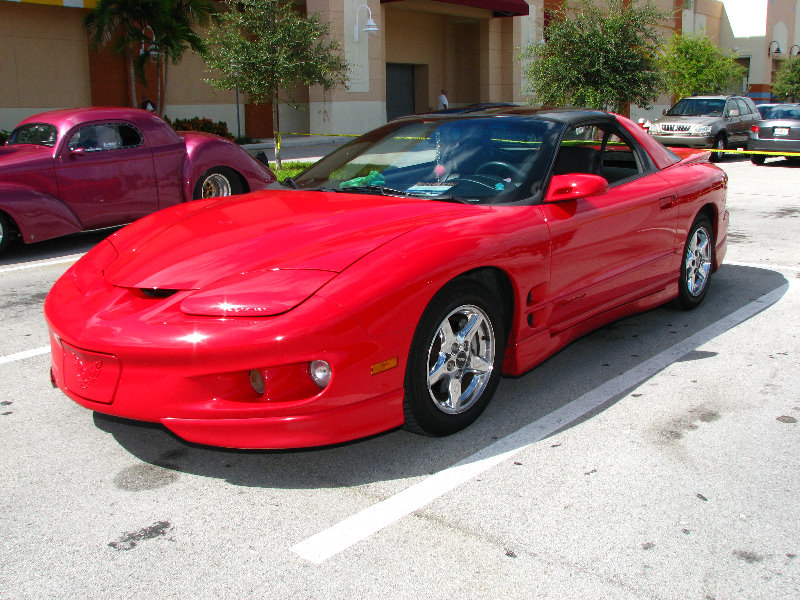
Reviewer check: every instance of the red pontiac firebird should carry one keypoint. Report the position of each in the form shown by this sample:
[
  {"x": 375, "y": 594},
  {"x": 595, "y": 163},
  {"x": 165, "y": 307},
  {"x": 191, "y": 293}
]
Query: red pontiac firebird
[
  {"x": 71, "y": 170},
  {"x": 392, "y": 283}
]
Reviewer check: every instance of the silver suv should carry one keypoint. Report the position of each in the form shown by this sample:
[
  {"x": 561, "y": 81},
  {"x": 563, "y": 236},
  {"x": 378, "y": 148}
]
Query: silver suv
[{"x": 715, "y": 122}]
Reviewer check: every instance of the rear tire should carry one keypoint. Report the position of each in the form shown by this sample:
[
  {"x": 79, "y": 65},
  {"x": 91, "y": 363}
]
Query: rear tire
[
  {"x": 720, "y": 143},
  {"x": 696, "y": 264},
  {"x": 217, "y": 182},
  {"x": 456, "y": 359}
]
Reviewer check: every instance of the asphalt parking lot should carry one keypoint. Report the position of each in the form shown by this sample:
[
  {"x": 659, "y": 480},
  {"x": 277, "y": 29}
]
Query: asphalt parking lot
[{"x": 656, "y": 458}]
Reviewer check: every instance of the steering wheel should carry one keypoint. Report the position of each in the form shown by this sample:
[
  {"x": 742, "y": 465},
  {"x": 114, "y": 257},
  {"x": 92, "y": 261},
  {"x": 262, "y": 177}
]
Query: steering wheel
[{"x": 496, "y": 165}]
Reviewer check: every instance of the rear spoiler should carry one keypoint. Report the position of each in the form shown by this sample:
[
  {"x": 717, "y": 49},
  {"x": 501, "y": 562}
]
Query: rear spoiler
[{"x": 690, "y": 156}]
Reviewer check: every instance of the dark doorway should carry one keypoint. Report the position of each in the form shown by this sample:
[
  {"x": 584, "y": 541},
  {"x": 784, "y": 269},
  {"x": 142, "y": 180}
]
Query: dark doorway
[{"x": 399, "y": 90}]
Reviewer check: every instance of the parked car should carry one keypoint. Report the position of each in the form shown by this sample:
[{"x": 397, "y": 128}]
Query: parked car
[
  {"x": 779, "y": 131},
  {"x": 716, "y": 122},
  {"x": 764, "y": 108},
  {"x": 391, "y": 283},
  {"x": 77, "y": 169}
]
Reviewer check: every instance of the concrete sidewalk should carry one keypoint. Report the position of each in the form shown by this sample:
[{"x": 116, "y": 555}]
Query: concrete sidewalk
[{"x": 298, "y": 147}]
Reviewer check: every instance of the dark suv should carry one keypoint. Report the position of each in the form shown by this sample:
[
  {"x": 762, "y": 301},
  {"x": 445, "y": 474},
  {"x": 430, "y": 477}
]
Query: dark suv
[{"x": 707, "y": 122}]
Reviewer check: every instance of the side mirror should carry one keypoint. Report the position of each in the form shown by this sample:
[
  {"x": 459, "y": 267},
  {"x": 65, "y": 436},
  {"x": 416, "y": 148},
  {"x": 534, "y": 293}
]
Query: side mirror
[
  {"x": 663, "y": 112},
  {"x": 734, "y": 112},
  {"x": 76, "y": 152},
  {"x": 575, "y": 185}
]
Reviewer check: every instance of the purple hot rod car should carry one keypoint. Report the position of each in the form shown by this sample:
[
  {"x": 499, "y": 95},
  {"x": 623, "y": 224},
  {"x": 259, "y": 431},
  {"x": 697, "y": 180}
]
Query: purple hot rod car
[{"x": 77, "y": 169}]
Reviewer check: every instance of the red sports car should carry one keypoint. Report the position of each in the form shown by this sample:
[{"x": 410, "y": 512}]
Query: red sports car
[
  {"x": 87, "y": 168},
  {"x": 391, "y": 283}
]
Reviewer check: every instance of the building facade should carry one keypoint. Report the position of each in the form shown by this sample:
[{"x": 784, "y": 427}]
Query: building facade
[{"x": 416, "y": 48}]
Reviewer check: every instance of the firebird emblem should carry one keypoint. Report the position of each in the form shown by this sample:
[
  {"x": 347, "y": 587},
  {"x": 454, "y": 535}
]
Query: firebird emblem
[{"x": 86, "y": 372}]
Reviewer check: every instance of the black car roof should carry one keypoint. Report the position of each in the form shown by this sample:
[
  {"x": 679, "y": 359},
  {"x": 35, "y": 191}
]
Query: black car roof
[{"x": 561, "y": 115}]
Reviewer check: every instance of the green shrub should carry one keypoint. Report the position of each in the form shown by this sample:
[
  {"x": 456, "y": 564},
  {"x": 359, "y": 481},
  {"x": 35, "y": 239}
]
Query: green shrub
[
  {"x": 290, "y": 169},
  {"x": 201, "y": 124}
]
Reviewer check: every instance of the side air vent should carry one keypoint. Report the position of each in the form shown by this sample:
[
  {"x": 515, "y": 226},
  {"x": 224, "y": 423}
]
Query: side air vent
[{"x": 157, "y": 292}]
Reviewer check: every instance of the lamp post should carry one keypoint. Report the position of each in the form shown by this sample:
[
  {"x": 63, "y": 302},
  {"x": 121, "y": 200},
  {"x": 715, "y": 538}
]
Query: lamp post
[
  {"x": 792, "y": 48},
  {"x": 370, "y": 26},
  {"x": 777, "y": 50}
]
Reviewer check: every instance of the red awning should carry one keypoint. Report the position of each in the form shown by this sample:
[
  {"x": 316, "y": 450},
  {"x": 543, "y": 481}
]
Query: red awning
[{"x": 501, "y": 8}]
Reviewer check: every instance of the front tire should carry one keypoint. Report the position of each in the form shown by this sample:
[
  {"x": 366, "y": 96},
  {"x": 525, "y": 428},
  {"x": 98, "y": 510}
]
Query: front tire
[
  {"x": 7, "y": 232},
  {"x": 696, "y": 264},
  {"x": 455, "y": 361},
  {"x": 217, "y": 182}
]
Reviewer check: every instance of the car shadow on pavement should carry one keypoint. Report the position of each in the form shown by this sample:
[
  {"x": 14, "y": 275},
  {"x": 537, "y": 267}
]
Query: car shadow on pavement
[
  {"x": 579, "y": 368},
  {"x": 69, "y": 246}
]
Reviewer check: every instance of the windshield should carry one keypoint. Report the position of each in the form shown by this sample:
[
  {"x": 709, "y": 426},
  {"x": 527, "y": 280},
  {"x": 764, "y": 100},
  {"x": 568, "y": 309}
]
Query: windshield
[
  {"x": 476, "y": 160},
  {"x": 40, "y": 134},
  {"x": 695, "y": 107}
]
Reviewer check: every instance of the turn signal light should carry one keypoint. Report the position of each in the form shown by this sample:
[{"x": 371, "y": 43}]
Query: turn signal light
[{"x": 754, "y": 128}]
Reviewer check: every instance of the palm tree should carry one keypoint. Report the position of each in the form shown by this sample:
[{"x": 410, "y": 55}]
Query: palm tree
[
  {"x": 173, "y": 26},
  {"x": 145, "y": 30},
  {"x": 121, "y": 23}
]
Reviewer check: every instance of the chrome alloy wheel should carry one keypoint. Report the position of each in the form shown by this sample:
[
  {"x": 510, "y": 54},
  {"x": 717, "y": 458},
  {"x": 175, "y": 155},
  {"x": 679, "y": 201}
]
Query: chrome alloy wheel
[
  {"x": 460, "y": 359},
  {"x": 216, "y": 185},
  {"x": 698, "y": 262}
]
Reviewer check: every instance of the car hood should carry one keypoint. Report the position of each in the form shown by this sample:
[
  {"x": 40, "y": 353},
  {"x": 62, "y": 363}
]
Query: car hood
[
  {"x": 24, "y": 157},
  {"x": 199, "y": 243},
  {"x": 689, "y": 120}
]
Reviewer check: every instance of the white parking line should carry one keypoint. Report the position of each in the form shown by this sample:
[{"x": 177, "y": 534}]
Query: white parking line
[
  {"x": 325, "y": 544},
  {"x": 23, "y": 355},
  {"x": 42, "y": 263}
]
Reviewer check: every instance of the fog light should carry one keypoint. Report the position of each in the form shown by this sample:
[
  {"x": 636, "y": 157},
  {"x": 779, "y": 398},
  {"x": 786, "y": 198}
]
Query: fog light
[
  {"x": 257, "y": 381},
  {"x": 320, "y": 372}
]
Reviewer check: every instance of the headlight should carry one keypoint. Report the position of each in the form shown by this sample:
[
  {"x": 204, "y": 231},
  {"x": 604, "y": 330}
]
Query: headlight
[
  {"x": 655, "y": 128},
  {"x": 702, "y": 129}
]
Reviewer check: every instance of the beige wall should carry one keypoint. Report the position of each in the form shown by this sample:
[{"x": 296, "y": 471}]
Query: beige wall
[{"x": 44, "y": 63}]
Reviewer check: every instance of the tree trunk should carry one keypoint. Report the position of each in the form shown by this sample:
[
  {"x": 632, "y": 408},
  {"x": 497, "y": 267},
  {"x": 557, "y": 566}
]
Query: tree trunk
[
  {"x": 132, "y": 78},
  {"x": 162, "y": 104},
  {"x": 276, "y": 126}
]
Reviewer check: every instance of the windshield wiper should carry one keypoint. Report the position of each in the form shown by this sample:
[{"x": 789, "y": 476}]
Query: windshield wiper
[
  {"x": 381, "y": 189},
  {"x": 290, "y": 183}
]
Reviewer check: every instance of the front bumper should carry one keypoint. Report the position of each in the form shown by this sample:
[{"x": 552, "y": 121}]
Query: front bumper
[
  {"x": 121, "y": 354},
  {"x": 690, "y": 141}
]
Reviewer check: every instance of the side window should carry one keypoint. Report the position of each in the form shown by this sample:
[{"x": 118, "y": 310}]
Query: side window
[
  {"x": 106, "y": 136},
  {"x": 130, "y": 136},
  {"x": 729, "y": 106},
  {"x": 743, "y": 108},
  {"x": 599, "y": 150}
]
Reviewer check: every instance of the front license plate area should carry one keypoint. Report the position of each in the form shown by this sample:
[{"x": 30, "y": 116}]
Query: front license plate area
[
  {"x": 781, "y": 131},
  {"x": 91, "y": 375}
]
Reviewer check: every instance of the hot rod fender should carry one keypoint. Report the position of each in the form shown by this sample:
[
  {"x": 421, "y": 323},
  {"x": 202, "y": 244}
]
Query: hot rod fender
[
  {"x": 38, "y": 216},
  {"x": 205, "y": 151}
]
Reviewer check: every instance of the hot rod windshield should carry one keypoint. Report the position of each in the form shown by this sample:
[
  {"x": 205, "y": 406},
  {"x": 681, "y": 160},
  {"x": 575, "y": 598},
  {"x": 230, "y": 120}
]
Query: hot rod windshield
[
  {"x": 486, "y": 160},
  {"x": 40, "y": 134}
]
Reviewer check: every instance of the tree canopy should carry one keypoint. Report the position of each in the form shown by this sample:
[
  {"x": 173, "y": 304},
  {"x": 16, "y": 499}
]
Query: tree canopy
[
  {"x": 692, "y": 64},
  {"x": 598, "y": 59},
  {"x": 786, "y": 85},
  {"x": 264, "y": 46}
]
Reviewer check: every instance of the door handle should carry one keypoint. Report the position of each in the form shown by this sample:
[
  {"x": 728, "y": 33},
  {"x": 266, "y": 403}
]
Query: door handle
[{"x": 666, "y": 202}]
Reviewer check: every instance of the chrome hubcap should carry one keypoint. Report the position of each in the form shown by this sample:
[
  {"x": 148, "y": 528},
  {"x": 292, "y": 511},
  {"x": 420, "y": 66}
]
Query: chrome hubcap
[
  {"x": 216, "y": 185},
  {"x": 698, "y": 262},
  {"x": 460, "y": 359}
]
